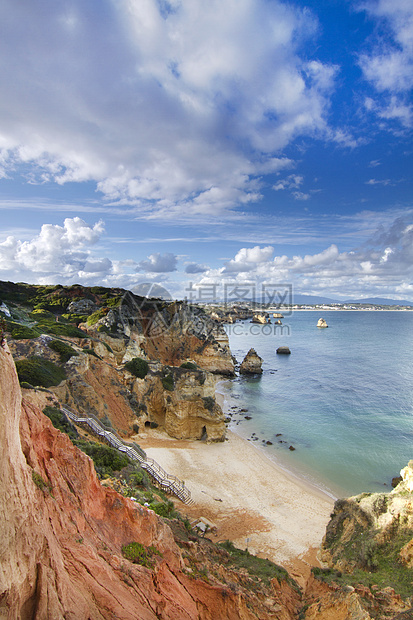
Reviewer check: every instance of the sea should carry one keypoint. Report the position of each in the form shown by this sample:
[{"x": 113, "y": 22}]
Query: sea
[{"x": 336, "y": 412}]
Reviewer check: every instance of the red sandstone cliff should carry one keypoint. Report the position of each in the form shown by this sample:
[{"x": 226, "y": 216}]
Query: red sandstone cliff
[{"x": 62, "y": 533}]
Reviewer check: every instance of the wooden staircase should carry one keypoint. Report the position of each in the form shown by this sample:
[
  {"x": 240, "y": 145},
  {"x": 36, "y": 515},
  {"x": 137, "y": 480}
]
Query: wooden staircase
[{"x": 168, "y": 483}]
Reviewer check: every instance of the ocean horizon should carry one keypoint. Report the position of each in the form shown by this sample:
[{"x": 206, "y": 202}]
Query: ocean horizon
[{"x": 338, "y": 411}]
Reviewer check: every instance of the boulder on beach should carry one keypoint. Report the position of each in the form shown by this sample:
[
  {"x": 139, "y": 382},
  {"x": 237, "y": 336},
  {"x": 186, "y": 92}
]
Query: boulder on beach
[
  {"x": 283, "y": 350},
  {"x": 322, "y": 323},
  {"x": 251, "y": 364}
]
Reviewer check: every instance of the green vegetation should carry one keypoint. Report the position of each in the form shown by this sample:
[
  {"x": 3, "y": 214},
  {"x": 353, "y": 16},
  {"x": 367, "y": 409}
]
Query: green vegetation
[
  {"x": 74, "y": 318},
  {"x": 60, "y": 329},
  {"x": 164, "y": 509},
  {"x": 96, "y": 316},
  {"x": 38, "y": 315},
  {"x": 2, "y": 331},
  {"x": 40, "y": 483},
  {"x": 56, "y": 303},
  {"x": 21, "y": 332},
  {"x": 138, "y": 554},
  {"x": 258, "y": 568},
  {"x": 91, "y": 352},
  {"x": 168, "y": 382},
  {"x": 39, "y": 371},
  {"x": 137, "y": 367},
  {"x": 377, "y": 563},
  {"x": 59, "y": 421},
  {"x": 189, "y": 366},
  {"x": 65, "y": 350},
  {"x": 107, "y": 460},
  {"x": 113, "y": 302},
  {"x": 209, "y": 403}
]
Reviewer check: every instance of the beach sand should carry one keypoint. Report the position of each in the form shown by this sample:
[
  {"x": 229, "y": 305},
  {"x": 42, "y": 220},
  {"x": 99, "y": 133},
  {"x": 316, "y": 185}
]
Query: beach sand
[{"x": 246, "y": 496}]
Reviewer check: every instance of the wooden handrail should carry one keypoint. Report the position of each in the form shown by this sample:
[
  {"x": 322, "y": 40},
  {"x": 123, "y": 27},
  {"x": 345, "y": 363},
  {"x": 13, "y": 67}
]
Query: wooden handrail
[{"x": 167, "y": 481}]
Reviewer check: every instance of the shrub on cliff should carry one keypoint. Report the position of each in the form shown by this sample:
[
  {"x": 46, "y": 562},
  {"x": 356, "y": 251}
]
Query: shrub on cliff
[
  {"x": 258, "y": 568},
  {"x": 209, "y": 403},
  {"x": 38, "y": 371},
  {"x": 168, "y": 382},
  {"x": 164, "y": 509},
  {"x": 106, "y": 459},
  {"x": 60, "y": 329},
  {"x": 96, "y": 316},
  {"x": 21, "y": 332},
  {"x": 138, "y": 554},
  {"x": 59, "y": 421},
  {"x": 189, "y": 366},
  {"x": 65, "y": 350},
  {"x": 137, "y": 367}
]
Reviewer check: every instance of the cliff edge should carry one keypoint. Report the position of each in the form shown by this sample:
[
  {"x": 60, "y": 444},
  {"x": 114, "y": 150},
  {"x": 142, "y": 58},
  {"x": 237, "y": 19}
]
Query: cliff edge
[{"x": 62, "y": 535}]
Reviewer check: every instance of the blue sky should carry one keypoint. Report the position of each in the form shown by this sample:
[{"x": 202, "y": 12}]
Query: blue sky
[{"x": 189, "y": 143}]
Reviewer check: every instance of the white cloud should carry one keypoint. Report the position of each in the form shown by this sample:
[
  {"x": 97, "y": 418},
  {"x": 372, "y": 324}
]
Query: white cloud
[
  {"x": 301, "y": 196},
  {"x": 293, "y": 181},
  {"x": 389, "y": 66},
  {"x": 59, "y": 253},
  {"x": 159, "y": 263},
  {"x": 381, "y": 267},
  {"x": 193, "y": 268},
  {"x": 248, "y": 259},
  {"x": 379, "y": 182},
  {"x": 168, "y": 110}
]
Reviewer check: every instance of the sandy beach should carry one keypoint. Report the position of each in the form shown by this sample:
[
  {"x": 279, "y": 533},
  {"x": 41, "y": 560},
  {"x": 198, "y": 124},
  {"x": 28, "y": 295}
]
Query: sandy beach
[{"x": 247, "y": 496}]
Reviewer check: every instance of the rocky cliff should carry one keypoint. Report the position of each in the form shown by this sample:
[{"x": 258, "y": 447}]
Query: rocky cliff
[
  {"x": 116, "y": 327},
  {"x": 62, "y": 535}
]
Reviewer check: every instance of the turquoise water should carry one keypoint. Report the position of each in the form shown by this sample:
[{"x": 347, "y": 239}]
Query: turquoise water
[{"x": 343, "y": 398}]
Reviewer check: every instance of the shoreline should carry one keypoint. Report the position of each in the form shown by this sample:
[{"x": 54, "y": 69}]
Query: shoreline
[
  {"x": 225, "y": 402},
  {"x": 251, "y": 501}
]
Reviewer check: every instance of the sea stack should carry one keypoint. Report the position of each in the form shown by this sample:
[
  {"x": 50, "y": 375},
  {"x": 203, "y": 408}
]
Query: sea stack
[
  {"x": 251, "y": 364},
  {"x": 322, "y": 323},
  {"x": 261, "y": 318},
  {"x": 283, "y": 351}
]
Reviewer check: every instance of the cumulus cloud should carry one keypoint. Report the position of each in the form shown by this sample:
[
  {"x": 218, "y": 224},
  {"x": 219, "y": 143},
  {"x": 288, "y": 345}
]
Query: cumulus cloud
[
  {"x": 159, "y": 263},
  {"x": 57, "y": 252},
  {"x": 389, "y": 65},
  {"x": 247, "y": 259},
  {"x": 168, "y": 107},
  {"x": 195, "y": 268},
  {"x": 383, "y": 266}
]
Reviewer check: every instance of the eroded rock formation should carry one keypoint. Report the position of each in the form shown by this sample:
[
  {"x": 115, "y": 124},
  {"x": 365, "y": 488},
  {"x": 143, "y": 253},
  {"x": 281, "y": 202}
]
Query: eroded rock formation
[
  {"x": 322, "y": 323},
  {"x": 283, "y": 350},
  {"x": 261, "y": 318},
  {"x": 251, "y": 364}
]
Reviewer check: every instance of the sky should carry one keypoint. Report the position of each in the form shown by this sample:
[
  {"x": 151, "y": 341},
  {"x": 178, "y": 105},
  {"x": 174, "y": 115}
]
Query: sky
[{"x": 207, "y": 144}]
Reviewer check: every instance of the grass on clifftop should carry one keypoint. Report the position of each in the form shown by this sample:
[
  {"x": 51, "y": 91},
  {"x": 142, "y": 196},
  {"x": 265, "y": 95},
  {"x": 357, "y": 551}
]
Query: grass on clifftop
[
  {"x": 38, "y": 371},
  {"x": 378, "y": 563},
  {"x": 64, "y": 350},
  {"x": 258, "y": 568}
]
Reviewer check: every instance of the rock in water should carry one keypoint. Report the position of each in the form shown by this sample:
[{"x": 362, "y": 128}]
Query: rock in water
[
  {"x": 283, "y": 351},
  {"x": 322, "y": 323},
  {"x": 251, "y": 364}
]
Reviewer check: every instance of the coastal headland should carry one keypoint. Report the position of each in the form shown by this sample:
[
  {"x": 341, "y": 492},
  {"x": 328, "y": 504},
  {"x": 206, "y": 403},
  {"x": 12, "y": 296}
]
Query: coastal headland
[{"x": 100, "y": 537}]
